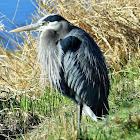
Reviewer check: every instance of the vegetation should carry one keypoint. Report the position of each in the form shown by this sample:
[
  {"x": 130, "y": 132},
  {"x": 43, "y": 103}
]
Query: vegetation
[{"x": 28, "y": 110}]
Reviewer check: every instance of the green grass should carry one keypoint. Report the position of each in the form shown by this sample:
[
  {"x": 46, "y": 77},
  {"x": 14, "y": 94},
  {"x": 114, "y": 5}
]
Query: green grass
[{"x": 50, "y": 115}]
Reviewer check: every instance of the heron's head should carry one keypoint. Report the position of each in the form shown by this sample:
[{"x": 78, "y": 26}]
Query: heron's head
[{"x": 53, "y": 21}]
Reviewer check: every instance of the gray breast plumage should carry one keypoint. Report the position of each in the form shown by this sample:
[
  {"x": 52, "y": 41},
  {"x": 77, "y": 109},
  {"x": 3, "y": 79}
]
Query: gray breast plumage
[{"x": 50, "y": 57}]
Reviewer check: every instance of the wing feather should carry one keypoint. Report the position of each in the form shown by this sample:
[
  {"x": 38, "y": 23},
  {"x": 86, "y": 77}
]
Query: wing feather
[{"x": 85, "y": 71}]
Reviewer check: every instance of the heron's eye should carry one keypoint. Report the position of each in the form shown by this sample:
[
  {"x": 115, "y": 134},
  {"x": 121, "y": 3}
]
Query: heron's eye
[{"x": 47, "y": 22}]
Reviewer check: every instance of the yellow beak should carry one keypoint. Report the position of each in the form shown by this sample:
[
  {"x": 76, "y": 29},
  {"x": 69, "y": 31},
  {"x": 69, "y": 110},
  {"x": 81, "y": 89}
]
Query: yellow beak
[{"x": 26, "y": 28}]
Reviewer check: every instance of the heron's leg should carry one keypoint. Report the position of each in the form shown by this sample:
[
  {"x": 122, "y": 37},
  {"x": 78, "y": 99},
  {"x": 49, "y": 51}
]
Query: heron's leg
[{"x": 80, "y": 107}]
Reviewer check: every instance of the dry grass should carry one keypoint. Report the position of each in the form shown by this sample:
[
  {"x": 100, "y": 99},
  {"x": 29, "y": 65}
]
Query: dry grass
[{"x": 19, "y": 69}]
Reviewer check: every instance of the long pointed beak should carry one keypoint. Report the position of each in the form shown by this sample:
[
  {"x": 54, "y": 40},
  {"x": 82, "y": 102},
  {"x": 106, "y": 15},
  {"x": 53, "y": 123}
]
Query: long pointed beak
[{"x": 26, "y": 28}]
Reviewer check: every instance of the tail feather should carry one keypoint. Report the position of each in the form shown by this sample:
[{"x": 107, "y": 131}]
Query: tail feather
[{"x": 89, "y": 112}]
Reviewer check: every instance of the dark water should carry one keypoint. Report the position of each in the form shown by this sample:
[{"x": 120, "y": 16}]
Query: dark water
[{"x": 18, "y": 11}]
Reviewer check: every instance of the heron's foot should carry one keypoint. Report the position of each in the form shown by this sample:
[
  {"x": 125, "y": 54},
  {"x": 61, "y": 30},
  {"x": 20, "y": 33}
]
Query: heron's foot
[{"x": 79, "y": 134}]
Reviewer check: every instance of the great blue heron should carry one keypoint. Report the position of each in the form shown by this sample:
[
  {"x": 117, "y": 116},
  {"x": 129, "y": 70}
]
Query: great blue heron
[{"x": 74, "y": 63}]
